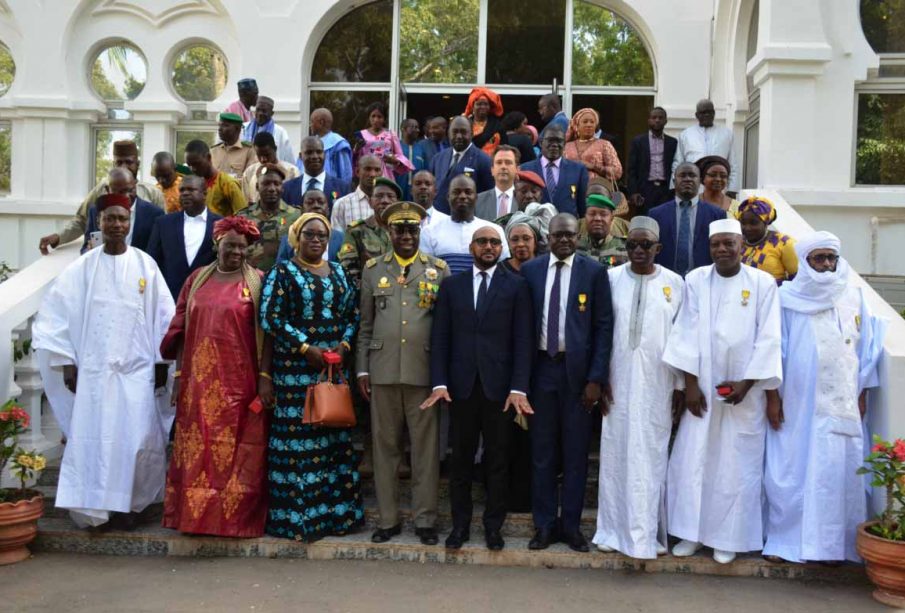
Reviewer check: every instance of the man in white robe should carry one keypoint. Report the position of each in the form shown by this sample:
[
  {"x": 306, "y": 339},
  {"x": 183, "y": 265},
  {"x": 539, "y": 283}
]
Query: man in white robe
[
  {"x": 634, "y": 439},
  {"x": 727, "y": 335},
  {"x": 831, "y": 345},
  {"x": 97, "y": 335}
]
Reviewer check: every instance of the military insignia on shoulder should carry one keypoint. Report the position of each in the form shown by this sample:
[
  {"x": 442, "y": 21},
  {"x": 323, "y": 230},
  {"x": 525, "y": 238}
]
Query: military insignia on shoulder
[
  {"x": 424, "y": 259},
  {"x": 371, "y": 263},
  {"x": 356, "y": 223},
  {"x": 346, "y": 248},
  {"x": 441, "y": 264}
]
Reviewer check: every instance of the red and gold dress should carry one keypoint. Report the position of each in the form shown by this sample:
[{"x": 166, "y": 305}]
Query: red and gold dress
[{"x": 216, "y": 483}]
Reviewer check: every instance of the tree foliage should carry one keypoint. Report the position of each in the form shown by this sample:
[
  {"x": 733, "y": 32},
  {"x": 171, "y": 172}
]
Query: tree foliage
[
  {"x": 606, "y": 50},
  {"x": 122, "y": 61},
  {"x": 439, "y": 41},
  {"x": 880, "y": 157},
  {"x": 358, "y": 47},
  {"x": 7, "y": 69},
  {"x": 883, "y": 22},
  {"x": 199, "y": 74}
]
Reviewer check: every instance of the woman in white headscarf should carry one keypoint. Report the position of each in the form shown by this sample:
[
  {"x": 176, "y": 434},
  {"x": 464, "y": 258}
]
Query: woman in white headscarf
[
  {"x": 831, "y": 345},
  {"x": 526, "y": 233}
]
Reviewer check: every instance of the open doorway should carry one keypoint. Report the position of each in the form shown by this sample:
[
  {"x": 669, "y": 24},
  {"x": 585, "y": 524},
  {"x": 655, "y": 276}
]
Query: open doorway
[{"x": 422, "y": 106}]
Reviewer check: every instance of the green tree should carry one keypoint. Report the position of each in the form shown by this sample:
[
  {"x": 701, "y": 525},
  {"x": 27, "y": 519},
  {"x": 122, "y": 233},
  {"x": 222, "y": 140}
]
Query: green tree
[
  {"x": 199, "y": 74},
  {"x": 128, "y": 64},
  {"x": 7, "y": 69},
  {"x": 101, "y": 85},
  {"x": 606, "y": 50},
  {"x": 439, "y": 41},
  {"x": 358, "y": 47},
  {"x": 883, "y": 22},
  {"x": 880, "y": 156}
]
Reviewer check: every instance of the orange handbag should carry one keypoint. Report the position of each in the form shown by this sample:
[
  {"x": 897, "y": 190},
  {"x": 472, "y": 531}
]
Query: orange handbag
[{"x": 329, "y": 403}]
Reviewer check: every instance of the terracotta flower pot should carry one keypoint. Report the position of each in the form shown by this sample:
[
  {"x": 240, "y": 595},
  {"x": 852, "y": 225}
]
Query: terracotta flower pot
[
  {"x": 18, "y": 527},
  {"x": 885, "y": 565}
]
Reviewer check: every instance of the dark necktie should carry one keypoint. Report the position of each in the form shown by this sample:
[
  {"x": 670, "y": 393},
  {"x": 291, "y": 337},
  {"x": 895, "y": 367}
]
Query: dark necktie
[
  {"x": 312, "y": 184},
  {"x": 551, "y": 180},
  {"x": 455, "y": 160},
  {"x": 683, "y": 239},
  {"x": 553, "y": 312},
  {"x": 482, "y": 292}
]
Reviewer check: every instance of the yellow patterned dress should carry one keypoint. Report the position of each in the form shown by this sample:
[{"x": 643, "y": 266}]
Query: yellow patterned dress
[{"x": 774, "y": 254}]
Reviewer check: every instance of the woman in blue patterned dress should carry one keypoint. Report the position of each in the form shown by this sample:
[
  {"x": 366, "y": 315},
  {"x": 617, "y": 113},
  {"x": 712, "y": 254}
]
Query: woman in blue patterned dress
[{"x": 308, "y": 305}]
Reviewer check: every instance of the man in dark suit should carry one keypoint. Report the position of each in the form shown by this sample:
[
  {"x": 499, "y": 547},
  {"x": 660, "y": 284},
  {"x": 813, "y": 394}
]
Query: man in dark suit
[
  {"x": 567, "y": 181},
  {"x": 313, "y": 176},
  {"x": 144, "y": 214},
  {"x": 481, "y": 349},
  {"x": 685, "y": 223},
  {"x": 183, "y": 241},
  {"x": 574, "y": 329},
  {"x": 462, "y": 158},
  {"x": 500, "y": 201},
  {"x": 650, "y": 163}
]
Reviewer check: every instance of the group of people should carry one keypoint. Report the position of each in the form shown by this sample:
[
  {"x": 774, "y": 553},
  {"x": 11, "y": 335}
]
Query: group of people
[{"x": 491, "y": 307}]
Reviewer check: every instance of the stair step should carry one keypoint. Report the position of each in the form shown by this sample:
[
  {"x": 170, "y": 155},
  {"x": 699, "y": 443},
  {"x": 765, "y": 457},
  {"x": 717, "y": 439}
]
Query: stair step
[{"x": 58, "y": 535}]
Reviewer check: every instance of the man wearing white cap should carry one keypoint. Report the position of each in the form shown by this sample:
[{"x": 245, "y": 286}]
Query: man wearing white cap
[
  {"x": 831, "y": 346},
  {"x": 727, "y": 343},
  {"x": 634, "y": 438}
]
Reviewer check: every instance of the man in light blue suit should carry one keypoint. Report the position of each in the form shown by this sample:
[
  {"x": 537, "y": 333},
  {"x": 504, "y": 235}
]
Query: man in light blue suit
[
  {"x": 567, "y": 181},
  {"x": 462, "y": 158}
]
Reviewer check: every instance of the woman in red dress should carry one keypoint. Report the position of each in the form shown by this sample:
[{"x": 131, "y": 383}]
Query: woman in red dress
[{"x": 217, "y": 480}]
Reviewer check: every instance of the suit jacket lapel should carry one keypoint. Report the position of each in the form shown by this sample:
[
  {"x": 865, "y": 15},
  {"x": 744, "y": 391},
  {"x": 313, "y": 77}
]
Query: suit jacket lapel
[
  {"x": 180, "y": 238},
  {"x": 574, "y": 279}
]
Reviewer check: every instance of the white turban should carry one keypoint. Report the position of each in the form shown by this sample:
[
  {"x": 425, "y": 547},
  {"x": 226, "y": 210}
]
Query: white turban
[
  {"x": 725, "y": 226},
  {"x": 811, "y": 291},
  {"x": 816, "y": 240}
]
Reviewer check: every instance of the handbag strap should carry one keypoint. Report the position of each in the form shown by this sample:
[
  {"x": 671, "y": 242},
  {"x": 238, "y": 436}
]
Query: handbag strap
[{"x": 328, "y": 371}]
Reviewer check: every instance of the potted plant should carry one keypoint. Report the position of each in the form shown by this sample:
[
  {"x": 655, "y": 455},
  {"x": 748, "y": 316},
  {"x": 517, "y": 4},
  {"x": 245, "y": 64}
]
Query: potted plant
[
  {"x": 881, "y": 542},
  {"x": 20, "y": 508}
]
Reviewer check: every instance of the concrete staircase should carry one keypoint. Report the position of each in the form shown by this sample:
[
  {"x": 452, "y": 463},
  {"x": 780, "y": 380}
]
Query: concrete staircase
[{"x": 58, "y": 534}]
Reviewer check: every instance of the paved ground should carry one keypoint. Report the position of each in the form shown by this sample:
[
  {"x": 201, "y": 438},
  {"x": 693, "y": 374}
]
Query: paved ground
[{"x": 69, "y": 582}]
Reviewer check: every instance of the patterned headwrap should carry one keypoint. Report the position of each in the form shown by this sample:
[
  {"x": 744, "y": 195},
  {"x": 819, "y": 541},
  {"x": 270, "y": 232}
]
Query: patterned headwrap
[
  {"x": 760, "y": 206},
  {"x": 537, "y": 217},
  {"x": 240, "y": 225},
  {"x": 572, "y": 134},
  {"x": 496, "y": 103},
  {"x": 295, "y": 230}
]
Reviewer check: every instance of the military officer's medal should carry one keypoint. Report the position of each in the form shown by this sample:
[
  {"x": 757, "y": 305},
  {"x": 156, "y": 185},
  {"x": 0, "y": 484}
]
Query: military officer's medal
[
  {"x": 582, "y": 300},
  {"x": 383, "y": 283},
  {"x": 141, "y": 285}
]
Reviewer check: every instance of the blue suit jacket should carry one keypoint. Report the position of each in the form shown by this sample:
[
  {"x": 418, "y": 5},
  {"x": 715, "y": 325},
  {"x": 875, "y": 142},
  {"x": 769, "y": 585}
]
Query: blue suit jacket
[
  {"x": 497, "y": 341},
  {"x": 474, "y": 159},
  {"x": 589, "y": 332},
  {"x": 293, "y": 190},
  {"x": 571, "y": 189},
  {"x": 665, "y": 214},
  {"x": 286, "y": 252},
  {"x": 167, "y": 247},
  {"x": 145, "y": 216}
]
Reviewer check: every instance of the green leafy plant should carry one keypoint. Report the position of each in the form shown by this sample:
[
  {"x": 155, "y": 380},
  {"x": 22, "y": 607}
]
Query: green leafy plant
[{"x": 886, "y": 463}]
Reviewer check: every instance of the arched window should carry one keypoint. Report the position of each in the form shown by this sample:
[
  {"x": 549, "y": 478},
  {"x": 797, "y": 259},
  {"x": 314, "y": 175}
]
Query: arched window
[
  {"x": 118, "y": 73},
  {"x": 7, "y": 74},
  {"x": 606, "y": 50}
]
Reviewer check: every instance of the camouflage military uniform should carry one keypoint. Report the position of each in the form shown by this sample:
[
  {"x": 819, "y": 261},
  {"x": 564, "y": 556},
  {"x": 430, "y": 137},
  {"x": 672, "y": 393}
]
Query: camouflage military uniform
[
  {"x": 364, "y": 239},
  {"x": 609, "y": 251},
  {"x": 263, "y": 253}
]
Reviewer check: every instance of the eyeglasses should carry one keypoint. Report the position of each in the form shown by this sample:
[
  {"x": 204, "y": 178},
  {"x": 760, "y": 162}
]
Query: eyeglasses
[
  {"x": 483, "y": 241},
  {"x": 558, "y": 236},
  {"x": 821, "y": 258},
  {"x": 645, "y": 245},
  {"x": 315, "y": 236}
]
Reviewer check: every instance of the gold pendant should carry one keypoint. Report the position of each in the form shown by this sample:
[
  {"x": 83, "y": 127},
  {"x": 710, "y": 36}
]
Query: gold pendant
[{"x": 141, "y": 285}]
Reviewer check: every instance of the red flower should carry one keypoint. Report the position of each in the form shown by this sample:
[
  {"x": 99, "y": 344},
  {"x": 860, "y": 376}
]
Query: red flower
[
  {"x": 879, "y": 447},
  {"x": 898, "y": 450}
]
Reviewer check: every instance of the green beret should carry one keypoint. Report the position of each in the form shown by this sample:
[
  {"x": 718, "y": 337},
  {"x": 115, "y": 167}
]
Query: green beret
[
  {"x": 389, "y": 183},
  {"x": 231, "y": 117},
  {"x": 184, "y": 170},
  {"x": 599, "y": 201}
]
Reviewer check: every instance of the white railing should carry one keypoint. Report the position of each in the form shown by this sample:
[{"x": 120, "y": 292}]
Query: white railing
[{"x": 20, "y": 297}]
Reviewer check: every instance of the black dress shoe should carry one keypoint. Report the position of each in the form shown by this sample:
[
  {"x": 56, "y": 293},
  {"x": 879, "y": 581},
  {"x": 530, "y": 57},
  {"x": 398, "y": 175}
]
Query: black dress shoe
[
  {"x": 428, "y": 536},
  {"x": 576, "y": 542},
  {"x": 541, "y": 540},
  {"x": 494, "y": 540},
  {"x": 457, "y": 538},
  {"x": 382, "y": 535}
]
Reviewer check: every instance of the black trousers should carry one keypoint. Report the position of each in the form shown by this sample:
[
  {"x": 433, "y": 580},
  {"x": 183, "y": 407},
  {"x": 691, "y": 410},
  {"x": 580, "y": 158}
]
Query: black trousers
[
  {"x": 469, "y": 419},
  {"x": 654, "y": 195}
]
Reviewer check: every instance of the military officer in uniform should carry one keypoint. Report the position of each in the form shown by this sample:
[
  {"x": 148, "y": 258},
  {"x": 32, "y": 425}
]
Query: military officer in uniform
[
  {"x": 392, "y": 363},
  {"x": 368, "y": 238},
  {"x": 232, "y": 155},
  {"x": 596, "y": 239},
  {"x": 272, "y": 216}
]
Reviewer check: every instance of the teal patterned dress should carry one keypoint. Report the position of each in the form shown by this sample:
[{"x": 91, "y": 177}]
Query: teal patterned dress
[{"x": 314, "y": 484}]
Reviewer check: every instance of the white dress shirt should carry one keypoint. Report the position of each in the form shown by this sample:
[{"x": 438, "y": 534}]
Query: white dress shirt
[
  {"x": 697, "y": 142},
  {"x": 564, "y": 278},
  {"x": 510, "y": 194},
  {"x": 193, "y": 229},
  {"x": 477, "y": 279},
  {"x": 433, "y": 216},
  {"x": 320, "y": 179}
]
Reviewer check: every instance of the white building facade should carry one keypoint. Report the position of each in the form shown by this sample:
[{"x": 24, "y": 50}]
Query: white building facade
[{"x": 788, "y": 76}]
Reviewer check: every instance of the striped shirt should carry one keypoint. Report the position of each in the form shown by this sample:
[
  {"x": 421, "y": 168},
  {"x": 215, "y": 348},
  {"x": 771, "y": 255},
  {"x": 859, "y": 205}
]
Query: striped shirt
[{"x": 349, "y": 208}]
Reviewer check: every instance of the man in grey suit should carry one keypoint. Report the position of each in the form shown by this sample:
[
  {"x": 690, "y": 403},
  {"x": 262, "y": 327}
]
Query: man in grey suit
[
  {"x": 499, "y": 201},
  {"x": 398, "y": 290}
]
